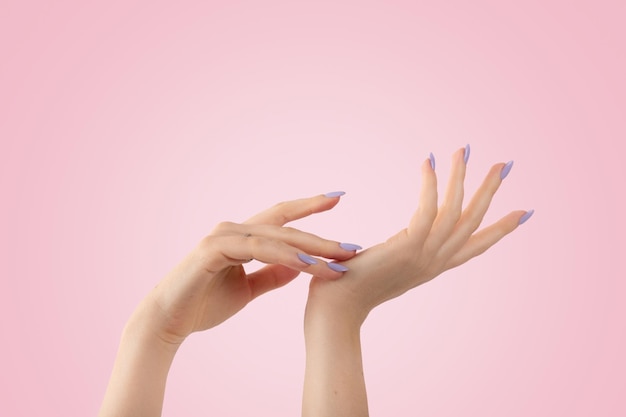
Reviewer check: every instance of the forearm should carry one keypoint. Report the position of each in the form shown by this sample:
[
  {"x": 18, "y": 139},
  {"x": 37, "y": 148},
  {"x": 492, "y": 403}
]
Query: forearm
[
  {"x": 137, "y": 384},
  {"x": 334, "y": 383}
]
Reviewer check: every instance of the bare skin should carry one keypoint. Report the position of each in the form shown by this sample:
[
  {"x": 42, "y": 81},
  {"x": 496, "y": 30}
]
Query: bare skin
[
  {"x": 435, "y": 240},
  {"x": 211, "y": 284},
  {"x": 208, "y": 287}
]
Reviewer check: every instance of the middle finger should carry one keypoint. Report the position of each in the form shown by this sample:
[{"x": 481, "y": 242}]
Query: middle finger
[{"x": 308, "y": 242}]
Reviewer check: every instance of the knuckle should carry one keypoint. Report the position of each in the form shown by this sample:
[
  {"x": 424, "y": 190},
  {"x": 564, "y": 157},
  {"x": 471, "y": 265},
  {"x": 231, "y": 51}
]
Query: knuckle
[
  {"x": 223, "y": 227},
  {"x": 407, "y": 257},
  {"x": 280, "y": 218},
  {"x": 451, "y": 212},
  {"x": 208, "y": 251},
  {"x": 474, "y": 221},
  {"x": 280, "y": 206},
  {"x": 207, "y": 242},
  {"x": 255, "y": 243}
]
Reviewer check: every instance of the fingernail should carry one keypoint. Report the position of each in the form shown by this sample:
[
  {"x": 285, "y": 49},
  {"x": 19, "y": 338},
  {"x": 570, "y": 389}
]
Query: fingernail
[
  {"x": 432, "y": 161},
  {"x": 307, "y": 259},
  {"x": 350, "y": 246},
  {"x": 467, "y": 153},
  {"x": 506, "y": 169},
  {"x": 334, "y": 194},
  {"x": 526, "y": 216},
  {"x": 337, "y": 267}
]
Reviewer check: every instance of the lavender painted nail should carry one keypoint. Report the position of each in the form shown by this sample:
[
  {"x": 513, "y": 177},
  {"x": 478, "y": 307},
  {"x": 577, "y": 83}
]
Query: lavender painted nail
[
  {"x": 337, "y": 267},
  {"x": 307, "y": 259},
  {"x": 467, "y": 153},
  {"x": 432, "y": 160},
  {"x": 506, "y": 169},
  {"x": 350, "y": 246},
  {"x": 526, "y": 216},
  {"x": 334, "y": 194}
]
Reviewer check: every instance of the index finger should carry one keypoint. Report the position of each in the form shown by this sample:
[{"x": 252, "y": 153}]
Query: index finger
[{"x": 288, "y": 211}]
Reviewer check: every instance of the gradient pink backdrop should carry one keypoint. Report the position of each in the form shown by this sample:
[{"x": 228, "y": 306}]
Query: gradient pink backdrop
[{"x": 128, "y": 129}]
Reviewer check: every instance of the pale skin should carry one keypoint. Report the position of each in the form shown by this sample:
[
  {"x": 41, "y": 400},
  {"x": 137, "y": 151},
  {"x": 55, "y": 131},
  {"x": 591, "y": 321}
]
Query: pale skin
[
  {"x": 210, "y": 285},
  {"x": 436, "y": 239}
]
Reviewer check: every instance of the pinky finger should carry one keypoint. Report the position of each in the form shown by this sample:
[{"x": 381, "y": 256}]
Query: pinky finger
[{"x": 485, "y": 238}]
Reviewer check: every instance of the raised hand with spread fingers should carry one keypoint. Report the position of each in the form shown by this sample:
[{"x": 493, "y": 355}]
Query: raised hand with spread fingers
[{"x": 436, "y": 239}]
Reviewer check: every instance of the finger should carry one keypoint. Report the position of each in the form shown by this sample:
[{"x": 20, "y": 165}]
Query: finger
[
  {"x": 287, "y": 211},
  {"x": 269, "y": 278},
  {"x": 225, "y": 251},
  {"x": 423, "y": 219},
  {"x": 450, "y": 210},
  {"x": 307, "y": 242},
  {"x": 486, "y": 238},
  {"x": 473, "y": 215}
]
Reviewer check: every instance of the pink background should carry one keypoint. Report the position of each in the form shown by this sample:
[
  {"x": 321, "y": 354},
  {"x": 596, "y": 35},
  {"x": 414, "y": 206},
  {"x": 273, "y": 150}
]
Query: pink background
[{"x": 129, "y": 129}]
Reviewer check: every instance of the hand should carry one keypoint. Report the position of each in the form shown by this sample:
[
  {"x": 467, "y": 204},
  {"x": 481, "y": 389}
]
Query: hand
[
  {"x": 434, "y": 241},
  {"x": 210, "y": 284}
]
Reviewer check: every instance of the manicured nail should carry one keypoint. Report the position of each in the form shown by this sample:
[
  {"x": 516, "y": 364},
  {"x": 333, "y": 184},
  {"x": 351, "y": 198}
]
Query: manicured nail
[
  {"x": 334, "y": 194},
  {"x": 526, "y": 216},
  {"x": 337, "y": 267},
  {"x": 467, "y": 153},
  {"x": 307, "y": 259},
  {"x": 432, "y": 160},
  {"x": 350, "y": 246},
  {"x": 506, "y": 169}
]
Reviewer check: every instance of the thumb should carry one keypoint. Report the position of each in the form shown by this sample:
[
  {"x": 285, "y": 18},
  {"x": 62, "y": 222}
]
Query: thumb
[{"x": 269, "y": 278}]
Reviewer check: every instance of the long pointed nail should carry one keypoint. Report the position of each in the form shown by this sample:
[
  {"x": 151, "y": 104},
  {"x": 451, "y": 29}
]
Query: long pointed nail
[
  {"x": 526, "y": 216},
  {"x": 467, "y": 153},
  {"x": 432, "y": 160},
  {"x": 334, "y": 194},
  {"x": 337, "y": 267},
  {"x": 506, "y": 169},
  {"x": 309, "y": 260},
  {"x": 350, "y": 246}
]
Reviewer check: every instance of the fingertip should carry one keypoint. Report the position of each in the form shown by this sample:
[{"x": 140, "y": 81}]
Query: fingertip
[
  {"x": 350, "y": 246},
  {"x": 527, "y": 215},
  {"x": 334, "y": 194},
  {"x": 330, "y": 274},
  {"x": 307, "y": 259},
  {"x": 338, "y": 267},
  {"x": 460, "y": 153},
  {"x": 427, "y": 166},
  {"x": 506, "y": 168},
  {"x": 321, "y": 202}
]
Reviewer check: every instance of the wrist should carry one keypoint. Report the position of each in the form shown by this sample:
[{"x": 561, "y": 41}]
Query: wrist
[
  {"x": 145, "y": 327},
  {"x": 334, "y": 381},
  {"x": 323, "y": 316},
  {"x": 326, "y": 304},
  {"x": 137, "y": 384}
]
